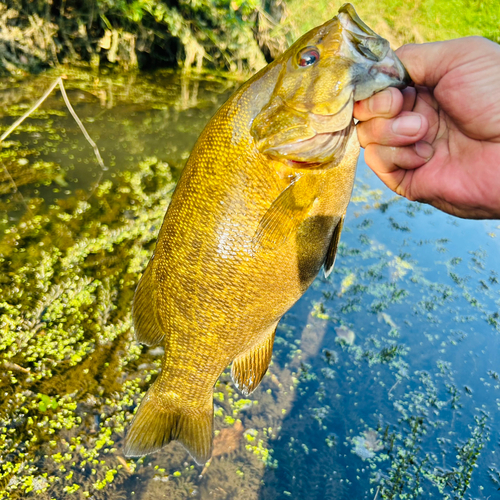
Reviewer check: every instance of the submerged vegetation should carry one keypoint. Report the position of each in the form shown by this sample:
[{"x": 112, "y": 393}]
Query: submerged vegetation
[
  {"x": 80, "y": 261},
  {"x": 367, "y": 395}
]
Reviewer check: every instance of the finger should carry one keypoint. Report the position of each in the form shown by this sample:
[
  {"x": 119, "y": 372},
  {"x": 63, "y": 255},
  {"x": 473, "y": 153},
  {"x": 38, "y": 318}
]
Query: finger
[
  {"x": 378, "y": 159},
  {"x": 396, "y": 167},
  {"x": 409, "y": 98},
  {"x": 387, "y": 159},
  {"x": 427, "y": 106},
  {"x": 387, "y": 103},
  {"x": 404, "y": 130}
]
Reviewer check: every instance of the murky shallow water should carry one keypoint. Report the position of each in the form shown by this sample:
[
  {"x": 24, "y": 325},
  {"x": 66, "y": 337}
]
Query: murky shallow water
[{"x": 385, "y": 381}]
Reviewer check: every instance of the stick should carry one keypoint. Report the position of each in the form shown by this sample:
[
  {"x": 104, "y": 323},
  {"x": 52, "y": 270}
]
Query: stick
[
  {"x": 59, "y": 82},
  {"x": 80, "y": 124},
  {"x": 397, "y": 382},
  {"x": 36, "y": 106},
  {"x": 16, "y": 191}
]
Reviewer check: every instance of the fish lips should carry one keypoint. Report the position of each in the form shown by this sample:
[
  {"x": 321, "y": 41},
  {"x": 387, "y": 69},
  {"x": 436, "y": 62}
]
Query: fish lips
[
  {"x": 367, "y": 79},
  {"x": 393, "y": 68}
]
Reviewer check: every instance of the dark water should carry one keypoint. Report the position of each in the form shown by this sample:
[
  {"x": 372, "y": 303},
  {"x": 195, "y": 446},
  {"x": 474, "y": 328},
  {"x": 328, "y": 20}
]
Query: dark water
[{"x": 385, "y": 380}]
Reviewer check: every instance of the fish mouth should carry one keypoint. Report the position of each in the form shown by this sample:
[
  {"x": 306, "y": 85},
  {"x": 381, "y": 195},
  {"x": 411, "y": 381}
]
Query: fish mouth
[
  {"x": 376, "y": 66},
  {"x": 394, "y": 69},
  {"x": 326, "y": 147}
]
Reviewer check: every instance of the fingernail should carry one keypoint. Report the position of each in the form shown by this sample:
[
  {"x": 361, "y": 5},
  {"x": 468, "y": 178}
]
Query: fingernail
[
  {"x": 407, "y": 125},
  {"x": 380, "y": 104},
  {"x": 424, "y": 150}
]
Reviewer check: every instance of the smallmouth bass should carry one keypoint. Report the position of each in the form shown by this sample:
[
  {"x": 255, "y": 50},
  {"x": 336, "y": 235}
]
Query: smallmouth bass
[{"x": 257, "y": 212}]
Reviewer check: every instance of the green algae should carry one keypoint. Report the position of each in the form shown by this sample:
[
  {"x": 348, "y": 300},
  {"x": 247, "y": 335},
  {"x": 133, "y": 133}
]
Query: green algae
[
  {"x": 68, "y": 276},
  {"x": 73, "y": 374}
]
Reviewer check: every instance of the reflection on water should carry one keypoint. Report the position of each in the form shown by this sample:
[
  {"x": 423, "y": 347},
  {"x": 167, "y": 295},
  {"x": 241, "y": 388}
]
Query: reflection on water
[
  {"x": 130, "y": 117},
  {"x": 385, "y": 381}
]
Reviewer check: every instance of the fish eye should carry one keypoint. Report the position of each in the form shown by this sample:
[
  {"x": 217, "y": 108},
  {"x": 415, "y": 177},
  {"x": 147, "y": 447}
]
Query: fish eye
[{"x": 308, "y": 57}]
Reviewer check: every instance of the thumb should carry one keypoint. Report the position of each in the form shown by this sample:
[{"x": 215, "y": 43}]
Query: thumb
[{"x": 427, "y": 63}]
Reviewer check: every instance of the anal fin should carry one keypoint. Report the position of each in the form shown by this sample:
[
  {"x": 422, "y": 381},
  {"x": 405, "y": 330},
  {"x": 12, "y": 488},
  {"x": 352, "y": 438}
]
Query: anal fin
[
  {"x": 147, "y": 329},
  {"x": 248, "y": 369},
  {"x": 331, "y": 254},
  {"x": 159, "y": 421}
]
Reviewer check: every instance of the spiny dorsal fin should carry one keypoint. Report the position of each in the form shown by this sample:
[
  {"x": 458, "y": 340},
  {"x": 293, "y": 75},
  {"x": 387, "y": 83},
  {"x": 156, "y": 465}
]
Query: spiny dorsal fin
[
  {"x": 332, "y": 249},
  {"x": 159, "y": 421},
  {"x": 147, "y": 330},
  {"x": 248, "y": 369}
]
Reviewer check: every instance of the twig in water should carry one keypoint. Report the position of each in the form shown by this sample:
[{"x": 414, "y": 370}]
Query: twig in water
[
  {"x": 59, "y": 82},
  {"x": 36, "y": 106},
  {"x": 16, "y": 191},
  {"x": 393, "y": 387},
  {"x": 376, "y": 493},
  {"x": 80, "y": 124},
  {"x": 20, "y": 120}
]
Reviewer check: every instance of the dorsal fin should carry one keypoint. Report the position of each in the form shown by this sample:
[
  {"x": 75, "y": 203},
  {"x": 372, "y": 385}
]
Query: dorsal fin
[
  {"x": 248, "y": 369},
  {"x": 147, "y": 329},
  {"x": 332, "y": 249}
]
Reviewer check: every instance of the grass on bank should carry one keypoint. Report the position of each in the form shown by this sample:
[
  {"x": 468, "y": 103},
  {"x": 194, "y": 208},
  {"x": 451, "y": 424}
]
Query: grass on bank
[{"x": 403, "y": 21}]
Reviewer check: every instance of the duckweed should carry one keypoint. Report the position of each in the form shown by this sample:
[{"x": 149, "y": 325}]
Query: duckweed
[{"x": 414, "y": 396}]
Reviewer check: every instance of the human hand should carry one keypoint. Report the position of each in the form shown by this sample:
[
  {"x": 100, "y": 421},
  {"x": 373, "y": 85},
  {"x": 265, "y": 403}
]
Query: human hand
[{"x": 439, "y": 143}]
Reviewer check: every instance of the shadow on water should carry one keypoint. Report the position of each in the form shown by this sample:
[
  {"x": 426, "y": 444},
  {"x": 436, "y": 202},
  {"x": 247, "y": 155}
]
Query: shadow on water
[
  {"x": 306, "y": 454},
  {"x": 384, "y": 381}
]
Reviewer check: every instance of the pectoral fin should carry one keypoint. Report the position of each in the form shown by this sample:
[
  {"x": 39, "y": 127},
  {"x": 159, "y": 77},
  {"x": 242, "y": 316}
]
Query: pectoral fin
[
  {"x": 332, "y": 249},
  {"x": 285, "y": 215},
  {"x": 248, "y": 369},
  {"x": 147, "y": 329}
]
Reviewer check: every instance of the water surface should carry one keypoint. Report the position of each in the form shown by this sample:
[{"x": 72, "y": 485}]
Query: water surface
[{"x": 385, "y": 380}]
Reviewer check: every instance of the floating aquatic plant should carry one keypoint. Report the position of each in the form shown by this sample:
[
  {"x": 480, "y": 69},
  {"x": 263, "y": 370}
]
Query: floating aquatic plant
[
  {"x": 367, "y": 445},
  {"x": 72, "y": 373}
]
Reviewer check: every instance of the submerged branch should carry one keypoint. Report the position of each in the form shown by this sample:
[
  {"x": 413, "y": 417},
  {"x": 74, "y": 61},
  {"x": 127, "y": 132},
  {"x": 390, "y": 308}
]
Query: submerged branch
[
  {"x": 35, "y": 107},
  {"x": 13, "y": 182},
  {"x": 80, "y": 124},
  {"x": 40, "y": 101}
]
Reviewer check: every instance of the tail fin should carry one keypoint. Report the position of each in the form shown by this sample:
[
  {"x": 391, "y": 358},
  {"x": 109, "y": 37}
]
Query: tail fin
[{"x": 157, "y": 422}]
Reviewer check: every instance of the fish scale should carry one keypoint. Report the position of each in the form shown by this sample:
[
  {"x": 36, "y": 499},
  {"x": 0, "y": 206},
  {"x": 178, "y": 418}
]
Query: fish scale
[{"x": 257, "y": 212}]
